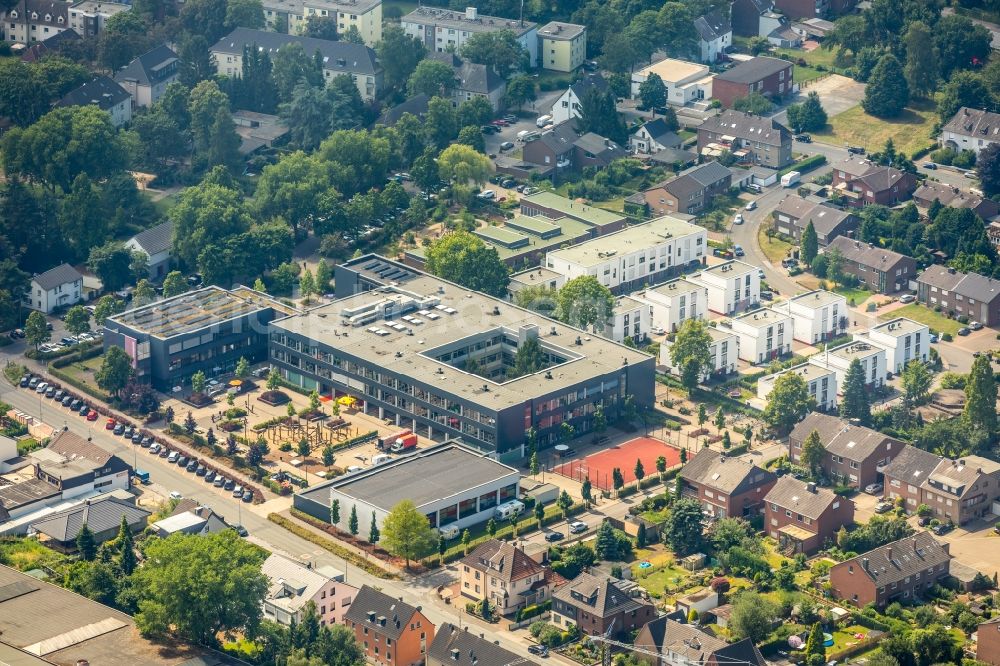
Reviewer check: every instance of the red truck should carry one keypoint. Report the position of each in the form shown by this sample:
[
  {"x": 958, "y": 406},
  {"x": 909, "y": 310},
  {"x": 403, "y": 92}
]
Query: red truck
[
  {"x": 404, "y": 443},
  {"x": 385, "y": 443}
]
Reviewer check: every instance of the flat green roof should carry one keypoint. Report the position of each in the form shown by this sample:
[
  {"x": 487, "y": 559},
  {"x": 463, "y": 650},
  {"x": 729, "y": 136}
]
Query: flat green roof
[
  {"x": 535, "y": 225},
  {"x": 575, "y": 209},
  {"x": 572, "y": 231},
  {"x": 506, "y": 237}
]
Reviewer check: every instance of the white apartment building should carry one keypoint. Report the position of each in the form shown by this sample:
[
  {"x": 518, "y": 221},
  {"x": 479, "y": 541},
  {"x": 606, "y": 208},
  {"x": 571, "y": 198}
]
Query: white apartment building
[
  {"x": 764, "y": 334},
  {"x": 634, "y": 257},
  {"x": 444, "y": 30},
  {"x": 872, "y": 358},
  {"x": 732, "y": 286},
  {"x": 630, "y": 319},
  {"x": 816, "y": 315},
  {"x": 903, "y": 340},
  {"x": 686, "y": 82},
  {"x": 724, "y": 350},
  {"x": 822, "y": 383},
  {"x": 673, "y": 303}
]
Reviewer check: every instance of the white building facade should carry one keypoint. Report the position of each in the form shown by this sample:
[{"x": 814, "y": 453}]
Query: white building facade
[
  {"x": 56, "y": 288},
  {"x": 903, "y": 340},
  {"x": 673, "y": 303},
  {"x": 822, "y": 384},
  {"x": 872, "y": 358},
  {"x": 764, "y": 334},
  {"x": 817, "y": 316},
  {"x": 732, "y": 286}
]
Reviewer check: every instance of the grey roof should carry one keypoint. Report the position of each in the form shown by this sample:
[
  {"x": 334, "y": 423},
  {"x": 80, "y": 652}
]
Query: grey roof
[
  {"x": 961, "y": 475},
  {"x": 291, "y": 584},
  {"x": 600, "y": 147},
  {"x": 503, "y": 560},
  {"x": 841, "y": 438},
  {"x": 708, "y": 174},
  {"x": 337, "y": 56},
  {"x": 790, "y": 493},
  {"x": 416, "y": 106},
  {"x": 54, "y": 10},
  {"x": 866, "y": 254},
  {"x": 156, "y": 239},
  {"x": 714, "y": 470},
  {"x": 100, "y": 91},
  {"x": 967, "y": 285},
  {"x": 668, "y": 636},
  {"x": 712, "y": 26},
  {"x": 54, "y": 277},
  {"x": 600, "y": 596},
  {"x": 881, "y": 178},
  {"x": 589, "y": 82},
  {"x": 459, "y": 21},
  {"x": 660, "y": 133},
  {"x": 476, "y": 78},
  {"x": 462, "y": 647},
  {"x": 100, "y": 515},
  {"x": 895, "y": 561},
  {"x": 149, "y": 68},
  {"x": 387, "y": 616},
  {"x": 560, "y": 30},
  {"x": 912, "y": 465},
  {"x": 560, "y": 139},
  {"x": 26, "y": 492},
  {"x": 975, "y": 122},
  {"x": 423, "y": 477},
  {"x": 672, "y": 156},
  {"x": 752, "y": 71},
  {"x": 74, "y": 447},
  {"x": 747, "y": 126},
  {"x": 954, "y": 197}
]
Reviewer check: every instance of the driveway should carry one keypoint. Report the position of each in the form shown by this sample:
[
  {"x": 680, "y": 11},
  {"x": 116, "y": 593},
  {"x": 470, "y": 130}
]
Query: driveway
[
  {"x": 836, "y": 93},
  {"x": 975, "y": 545}
]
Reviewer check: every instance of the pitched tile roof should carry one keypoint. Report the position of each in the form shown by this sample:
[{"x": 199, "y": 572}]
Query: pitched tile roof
[
  {"x": 100, "y": 90},
  {"x": 338, "y": 56},
  {"x": 968, "y": 285},
  {"x": 387, "y": 616},
  {"x": 824, "y": 218},
  {"x": 416, "y": 105},
  {"x": 74, "y": 447},
  {"x": 600, "y": 596},
  {"x": 866, "y": 254},
  {"x": 752, "y": 71},
  {"x": 974, "y": 122},
  {"x": 959, "y": 476},
  {"x": 712, "y": 26},
  {"x": 151, "y": 67},
  {"x": 712, "y": 469},
  {"x": 895, "y": 561},
  {"x": 291, "y": 585},
  {"x": 709, "y": 173},
  {"x": 660, "y": 133},
  {"x": 696, "y": 646},
  {"x": 587, "y": 83},
  {"x": 100, "y": 515},
  {"x": 841, "y": 438},
  {"x": 912, "y": 465},
  {"x": 955, "y": 197},
  {"x": 503, "y": 560},
  {"x": 749, "y": 127},
  {"x": 54, "y": 277},
  {"x": 462, "y": 647},
  {"x": 472, "y": 77},
  {"x": 801, "y": 497},
  {"x": 156, "y": 239}
]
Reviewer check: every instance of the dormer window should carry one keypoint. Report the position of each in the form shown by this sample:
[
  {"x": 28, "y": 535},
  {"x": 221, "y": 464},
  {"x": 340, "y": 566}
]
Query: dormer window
[
  {"x": 48, "y": 17},
  {"x": 34, "y": 16},
  {"x": 13, "y": 14},
  {"x": 60, "y": 20}
]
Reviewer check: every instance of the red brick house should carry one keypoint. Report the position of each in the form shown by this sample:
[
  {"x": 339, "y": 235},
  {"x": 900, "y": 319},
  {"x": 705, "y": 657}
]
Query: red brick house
[
  {"x": 391, "y": 632},
  {"x": 878, "y": 269},
  {"x": 864, "y": 183},
  {"x": 596, "y": 605},
  {"x": 726, "y": 487},
  {"x": 901, "y": 570},
  {"x": 957, "y": 491},
  {"x": 803, "y": 517},
  {"x": 771, "y": 77},
  {"x": 855, "y": 455},
  {"x": 988, "y": 642}
]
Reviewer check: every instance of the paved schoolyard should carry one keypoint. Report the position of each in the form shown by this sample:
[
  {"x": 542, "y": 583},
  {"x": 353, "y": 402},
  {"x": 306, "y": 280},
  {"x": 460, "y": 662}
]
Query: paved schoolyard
[{"x": 599, "y": 466}]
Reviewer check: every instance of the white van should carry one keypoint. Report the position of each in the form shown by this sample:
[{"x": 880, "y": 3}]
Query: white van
[
  {"x": 509, "y": 509},
  {"x": 543, "y": 120},
  {"x": 380, "y": 458},
  {"x": 449, "y": 532}
]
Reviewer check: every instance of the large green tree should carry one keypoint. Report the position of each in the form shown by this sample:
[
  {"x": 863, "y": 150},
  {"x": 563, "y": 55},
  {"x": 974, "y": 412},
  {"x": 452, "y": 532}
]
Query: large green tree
[
  {"x": 115, "y": 370},
  {"x": 856, "y": 403},
  {"x": 77, "y": 320},
  {"x": 683, "y": 528},
  {"x": 463, "y": 164},
  {"x": 36, "y": 330},
  {"x": 292, "y": 189},
  {"x": 398, "y": 53},
  {"x": 690, "y": 351},
  {"x": 206, "y": 215},
  {"x": 961, "y": 44},
  {"x": 887, "y": 93},
  {"x": 988, "y": 169},
  {"x": 922, "y": 66},
  {"x": 788, "y": 402},
  {"x": 291, "y": 67},
  {"x": 813, "y": 452},
  {"x": 499, "y": 50},
  {"x": 432, "y": 78},
  {"x": 463, "y": 258},
  {"x": 199, "y": 587},
  {"x": 980, "y": 398},
  {"x": 810, "y": 243},
  {"x": 752, "y": 616},
  {"x": 916, "y": 383},
  {"x": 407, "y": 533},
  {"x": 584, "y": 302},
  {"x": 809, "y": 116},
  {"x": 653, "y": 92}
]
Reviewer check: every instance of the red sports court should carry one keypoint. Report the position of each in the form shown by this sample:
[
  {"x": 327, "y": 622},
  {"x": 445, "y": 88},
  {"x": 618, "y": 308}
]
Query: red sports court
[{"x": 599, "y": 466}]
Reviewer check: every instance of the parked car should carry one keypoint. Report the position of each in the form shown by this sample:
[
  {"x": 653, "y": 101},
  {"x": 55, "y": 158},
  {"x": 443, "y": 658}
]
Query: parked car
[
  {"x": 538, "y": 650},
  {"x": 873, "y": 488},
  {"x": 59, "y": 395},
  {"x": 552, "y": 537},
  {"x": 923, "y": 521},
  {"x": 164, "y": 452},
  {"x": 907, "y": 298},
  {"x": 136, "y": 438},
  {"x": 738, "y": 219},
  {"x": 50, "y": 391},
  {"x": 975, "y": 325},
  {"x": 738, "y": 250},
  {"x": 248, "y": 496},
  {"x": 508, "y": 183},
  {"x": 119, "y": 429},
  {"x": 201, "y": 471},
  {"x": 657, "y": 330},
  {"x": 855, "y": 150},
  {"x": 155, "y": 448},
  {"x": 230, "y": 484},
  {"x": 182, "y": 461},
  {"x": 963, "y": 331},
  {"x": 242, "y": 531},
  {"x": 129, "y": 432},
  {"x": 942, "y": 528},
  {"x": 237, "y": 491},
  {"x": 506, "y": 145},
  {"x": 751, "y": 205},
  {"x": 41, "y": 386},
  {"x": 192, "y": 466},
  {"x": 933, "y": 338},
  {"x": 175, "y": 495},
  {"x": 486, "y": 195},
  {"x": 92, "y": 415},
  {"x": 84, "y": 410},
  {"x": 969, "y": 174},
  {"x": 172, "y": 457},
  {"x": 209, "y": 477},
  {"x": 67, "y": 400},
  {"x": 577, "y": 526},
  {"x": 767, "y": 296},
  {"x": 146, "y": 442},
  {"x": 25, "y": 381},
  {"x": 883, "y": 507},
  {"x": 929, "y": 165},
  {"x": 803, "y": 138},
  {"x": 219, "y": 481}
]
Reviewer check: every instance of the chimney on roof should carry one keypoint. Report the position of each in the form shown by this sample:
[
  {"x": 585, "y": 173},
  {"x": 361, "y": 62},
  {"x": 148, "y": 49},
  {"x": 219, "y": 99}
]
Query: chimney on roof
[
  {"x": 914, "y": 542},
  {"x": 864, "y": 563},
  {"x": 811, "y": 487},
  {"x": 471, "y": 13},
  {"x": 888, "y": 553}
]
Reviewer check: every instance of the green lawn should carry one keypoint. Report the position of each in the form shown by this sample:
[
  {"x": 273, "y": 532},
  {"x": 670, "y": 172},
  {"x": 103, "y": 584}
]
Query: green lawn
[
  {"x": 25, "y": 554},
  {"x": 856, "y": 294},
  {"x": 910, "y": 132},
  {"x": 83, "y": 372},
  {"x": 774, "y": 249},
  {"x": 664, "y": 579},
  {"x": 825, "y": 57},
  {"x": 844, "y": 638},
  {"x": 919, "y": 313}
]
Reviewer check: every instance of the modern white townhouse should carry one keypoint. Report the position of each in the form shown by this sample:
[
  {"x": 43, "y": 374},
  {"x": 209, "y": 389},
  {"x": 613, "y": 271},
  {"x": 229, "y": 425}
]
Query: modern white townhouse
[
  {"x": 732, "y": 286},
  {"x": 817, "y": 316},
  {"x": 764, "y": 334}
]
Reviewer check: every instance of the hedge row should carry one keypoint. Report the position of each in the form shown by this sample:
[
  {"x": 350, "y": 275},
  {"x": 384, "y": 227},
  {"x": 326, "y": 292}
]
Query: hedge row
[
  {"x": 81, "y": 352},
  {"x": 75, "y": 349},
  {"x": 531, "y": 611},
  {"x": 74, "y": 382},
  {"x": 803, "y": 165},
  {"x": 335, "y": 548}
]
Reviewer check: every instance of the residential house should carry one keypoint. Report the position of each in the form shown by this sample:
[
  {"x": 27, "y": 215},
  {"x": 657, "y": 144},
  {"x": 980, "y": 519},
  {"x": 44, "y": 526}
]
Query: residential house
[
  {"x": 502, "y": 573},
  {"x": 732, "y": 286},
  {"x": 258, "y": 130},
  {"x": 288, "y": 16},
  {"x": 674, "y": 302},
  {"x": 813, "y": 28},
  {"x": 77, "y": 466},
  {"x": 567, "y": 106},
  {"x": 106, "y": 95},
  {"x": 654, "y": 136},
  {"x": 473, "y": 80},
  {"x": 954, "y": 197},
  {"x": 155, "y": 243},
  {"x": 793, "y": 214},
  {"x": 751, "y": 139},
  {"x": 809, "y": 9},
  {"x": 900, "y": 570},
  {"x": 599, "y": 605},
  {"x": 988, "y": 642},
  {"x": 189, "y": 517},
  {"x": 689, "y": 192},
  {"x": 853, "y": 455},
  {"x": 960, "y": 294},
  {"x": 993, "y": 233},
  {"x": 700, "y": 601},
  {"x": 871, "y": 357},
  {"x": 635, "y": 256},
  {"x": 903, "y": 340},
  {"x": 562, "y": 149},
  {"x": 970, "y": 129},
  {"x": 961, "y": 490},
  {"x": 339, "y": 58},
  {"x": 551, "y": 206},
  {"x": 88, "y": 17},
  {"x": 803, "y": 517},
  {"x": 31, "y": 21},
  {"x": 724, "y": 349},
  {"x": 878, "y": 269},
  {"x": 146, "y": 78},
  {"x": 726, "y": 487},
  {"x": 389, "y": 631},
  {"x": 416, "y": 106},
  {"x": 442, "y": 30},
  {"x": 863, "y": 183},
  {"x": 681, "y": 644},
  {"x": 779, "y": 31},
  {"x": 102, "y": 516},
  {"x": 817, "y": 316},
  {"x": 745, "y": 16},
  {"x": 630, "y": 320},
  {"x": 58, "y": 287},
  {"x": 54, "y": 45},
  {"x": 686, "y": 82},
  {"x": 292, "y": 585},
  {"x": 454, "y": 646},
  {"x": 771, "y": 77},
  {"x": 906, "y": 474},
  {"x": 765, "y": 334},
  {"x": 365, "y": 15},
  {"x": 562, "y": 47},
  {"x": 820, "y": 381},
  {"x": 715, "y": 35}
]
